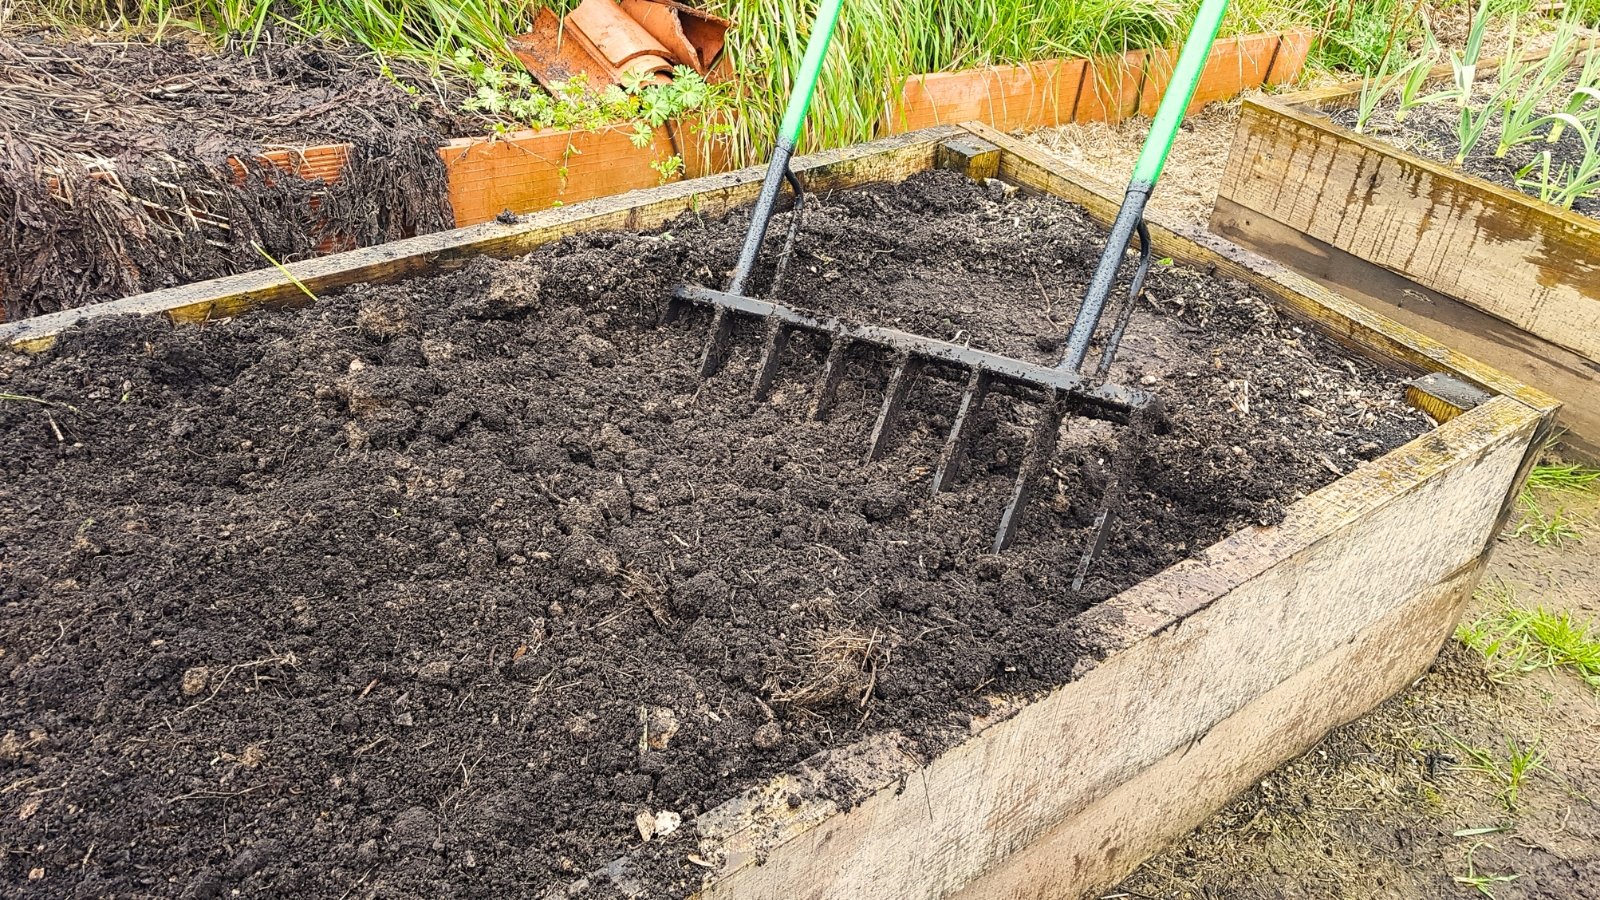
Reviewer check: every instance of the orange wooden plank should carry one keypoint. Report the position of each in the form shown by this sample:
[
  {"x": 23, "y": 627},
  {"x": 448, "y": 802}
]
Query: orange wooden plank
[
  {"x": 1291, "y": 57},
  {"x": 532, "y": 170},
  {"x": 1006, "y": 97},
  {"x": 1110, "y": 90}
]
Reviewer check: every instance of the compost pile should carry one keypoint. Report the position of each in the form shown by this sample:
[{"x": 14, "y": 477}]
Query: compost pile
[
  {"x": 440, "y": 588},
  {"x": 1431, "y": 130},
  {"x": 128, "y": 167}
]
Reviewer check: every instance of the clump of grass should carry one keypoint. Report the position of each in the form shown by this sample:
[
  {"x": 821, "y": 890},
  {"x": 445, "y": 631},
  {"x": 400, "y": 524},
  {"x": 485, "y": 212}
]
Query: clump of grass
[
  {"x": 1514, "y": 639},
  {"x": 1566, "y": 477},
  {"x": 1553, "y": 529},
  {"x": 1511, "y": 776}
]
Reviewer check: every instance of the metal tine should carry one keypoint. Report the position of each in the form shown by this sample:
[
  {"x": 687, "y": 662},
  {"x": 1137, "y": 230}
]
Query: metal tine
[
  {"x": 1135, "y": 288},
  {"x": 771, "y": 356},
  {"x": 1041, "y": 449},
  {"x": 955, "y": 446},
  {"x": 716, "y": 352},
  {"x": 1123, "y": 462},
  {"x": 906, "y": 369},
  {"x": 828, "y": 381}
]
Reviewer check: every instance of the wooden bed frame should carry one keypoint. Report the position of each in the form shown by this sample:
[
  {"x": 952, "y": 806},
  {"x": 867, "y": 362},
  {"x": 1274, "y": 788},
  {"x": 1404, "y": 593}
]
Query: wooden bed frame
[
  {"x": 1062, "y": 795},
  {"x": 1490, "y": 270}
]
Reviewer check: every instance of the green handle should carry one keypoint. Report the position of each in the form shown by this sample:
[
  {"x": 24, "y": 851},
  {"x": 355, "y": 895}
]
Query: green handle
[
  {"x": 805, "y": 80},
  {"x": 1180, "y": 91}
]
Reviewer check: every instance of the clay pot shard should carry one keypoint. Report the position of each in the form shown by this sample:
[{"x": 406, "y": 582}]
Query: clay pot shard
[
  {"x": 623, "y": 43},
  {"x": 553, "y": 53},
  {"x": 692, "y": 36}
]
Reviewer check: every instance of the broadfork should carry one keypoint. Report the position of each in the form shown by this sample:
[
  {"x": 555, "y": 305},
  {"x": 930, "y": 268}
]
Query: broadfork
[{"x": 1071, "y": 387}]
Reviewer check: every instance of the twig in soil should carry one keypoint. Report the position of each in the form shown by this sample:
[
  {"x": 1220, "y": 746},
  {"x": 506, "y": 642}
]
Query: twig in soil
[
  {"x": 214, "y": 795},
  {"x": 24, "y": 398},
  {"x": 288, "y": 660}
]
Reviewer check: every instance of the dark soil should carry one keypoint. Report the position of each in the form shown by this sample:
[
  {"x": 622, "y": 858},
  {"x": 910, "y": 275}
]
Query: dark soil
[
  {"x": 1431, "y": 131},
  {"x": 107, "y": 147},
  {"x": 430, "y": 589}
]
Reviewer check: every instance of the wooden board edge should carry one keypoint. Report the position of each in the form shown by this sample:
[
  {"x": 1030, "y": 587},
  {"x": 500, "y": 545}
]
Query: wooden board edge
[
  {"x": 635, "y": 210},
  {"x": 1555, "y": 218},
  {"x": 1033, "y": 167},
  {"x": 762, "y": 822},
  {"x": 1552, "y": 369}
]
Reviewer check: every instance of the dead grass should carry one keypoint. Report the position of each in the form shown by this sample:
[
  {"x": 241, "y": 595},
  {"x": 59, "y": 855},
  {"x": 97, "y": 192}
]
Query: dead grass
[
  {"x": 832, "y": 666},
  {"x": 1188, "y": 187}
]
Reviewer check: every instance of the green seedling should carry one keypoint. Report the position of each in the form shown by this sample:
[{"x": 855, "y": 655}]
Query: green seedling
[
  {"x": 1515, "y": 640},
  {"x": 1483, "y": 884},
  {"x": 1521, "y": 762},
  {"x": 1546, "y": 529},
  {"x": 1564, "y": 477},
  {"x": 1416, "y": 78},
  {"x": 1587, "y": 91},
  {"x": 1465, "y": 63},
  {"x": 1535, "y": 179}
]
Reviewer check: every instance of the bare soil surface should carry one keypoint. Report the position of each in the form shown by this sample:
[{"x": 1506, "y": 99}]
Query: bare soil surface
[
  {"x": 130, "y": 166},
  {"x": 436, "y": 588},
  {"x": 1401, "y": 804}
]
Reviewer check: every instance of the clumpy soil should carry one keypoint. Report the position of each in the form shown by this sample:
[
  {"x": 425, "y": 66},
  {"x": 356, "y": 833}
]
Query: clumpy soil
[
  {"x": 432, "y": 588},
  {"x": 1431, "y": 130},
  {"x": 131, "y": 165}
]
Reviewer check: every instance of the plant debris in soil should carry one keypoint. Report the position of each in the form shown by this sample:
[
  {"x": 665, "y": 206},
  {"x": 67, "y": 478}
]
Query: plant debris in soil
[
  {"x": 466, "y": 585},
  {"x": 1429, "y": 129},
  {"x": 132, "y": 166}
]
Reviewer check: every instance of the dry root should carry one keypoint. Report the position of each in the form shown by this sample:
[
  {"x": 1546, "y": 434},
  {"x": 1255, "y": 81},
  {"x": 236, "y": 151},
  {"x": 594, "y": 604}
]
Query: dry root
[{"x": 832, "y": 666}]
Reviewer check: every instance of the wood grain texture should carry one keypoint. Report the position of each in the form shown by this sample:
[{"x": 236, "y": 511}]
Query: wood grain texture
[
  {"x": 528, "y": 171},
  {"x": 1105, "y": 842},
  {"x": 1032, "y": 95},
  {"x": 891, "y": 159},
  {"x": 1531, "y": 264}
]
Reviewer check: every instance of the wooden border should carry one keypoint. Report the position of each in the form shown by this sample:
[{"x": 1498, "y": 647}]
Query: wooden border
[
  {"x": 1474, "y": 263},
  {"x": 1177, "y": 703}
]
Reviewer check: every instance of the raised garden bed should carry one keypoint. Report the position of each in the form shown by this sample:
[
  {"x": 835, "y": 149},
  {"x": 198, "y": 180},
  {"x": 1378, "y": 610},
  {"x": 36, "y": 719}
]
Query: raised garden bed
[
  {"x": 456, "y": 582},
  {"x": 1475, "y": 263}
]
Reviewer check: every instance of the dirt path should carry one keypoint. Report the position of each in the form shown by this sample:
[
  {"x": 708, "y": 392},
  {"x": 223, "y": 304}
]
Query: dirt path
[{"x": 1481, "y": 779}]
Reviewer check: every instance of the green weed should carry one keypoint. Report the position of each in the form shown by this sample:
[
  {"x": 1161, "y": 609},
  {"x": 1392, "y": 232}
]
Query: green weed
[
  {"x": 1516, "y": 640},
  {"x": 1483, "y": 884}
]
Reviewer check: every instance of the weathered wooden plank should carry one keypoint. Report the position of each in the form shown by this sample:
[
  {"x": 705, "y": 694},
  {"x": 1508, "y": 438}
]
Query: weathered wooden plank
[
  {"x": 1523, "y": 356},
  {"x": 1033, "y": 167},
  {"x": 1364, "y": 567},
  {"x": 1100, "y": 846},
  {"x": 891, "y": 159},
  {"x": 1532, "y": 264}
]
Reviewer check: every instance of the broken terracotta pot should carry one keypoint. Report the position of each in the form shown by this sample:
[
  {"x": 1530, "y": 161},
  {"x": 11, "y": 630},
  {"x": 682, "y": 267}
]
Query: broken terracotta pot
[
  {"x": 554, "y": 53},
  {"x": 691, "y": 36},
  {"x": 624, "y": 43}
]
